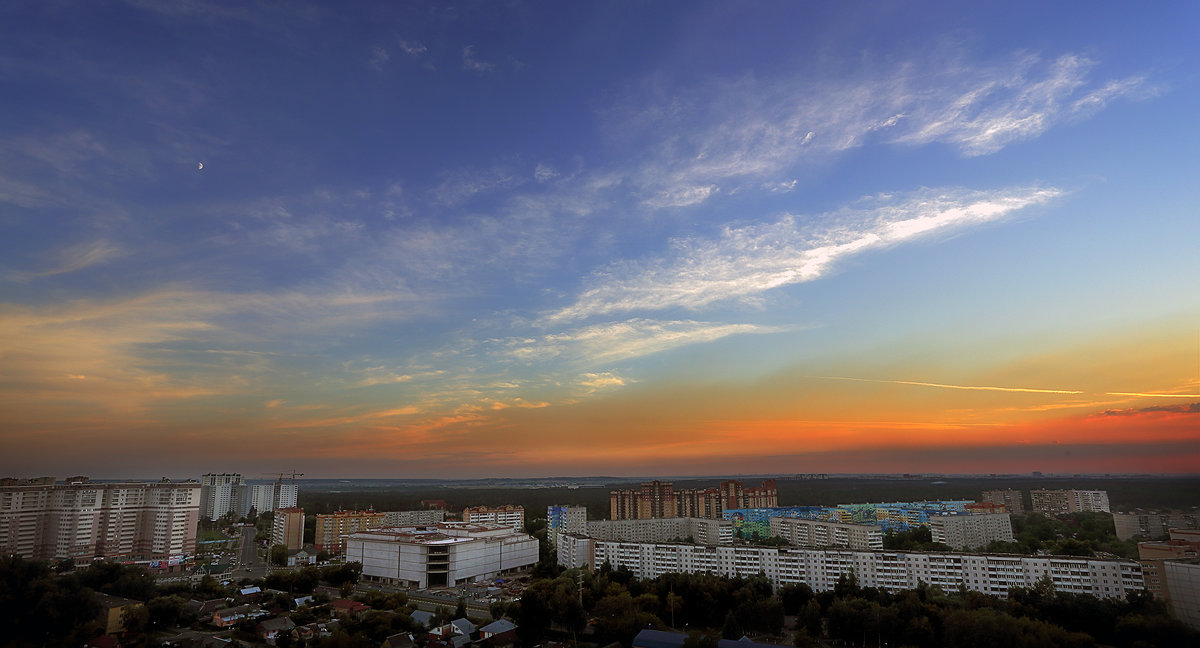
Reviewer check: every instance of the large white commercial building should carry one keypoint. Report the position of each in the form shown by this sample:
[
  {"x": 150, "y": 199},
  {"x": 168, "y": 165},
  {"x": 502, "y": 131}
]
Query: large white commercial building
[
  {"x": 703, "y": 531},
  {"x": 79, "y": 519},
  {"x": 890, "y": 570},
  {"x": 971, "y": 531},
  {"x": 821, "y": 533},
  {"x": 448, "y": 554}
]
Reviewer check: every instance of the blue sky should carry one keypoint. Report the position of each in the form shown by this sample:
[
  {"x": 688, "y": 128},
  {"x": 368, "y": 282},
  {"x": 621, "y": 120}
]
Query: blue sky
[{"x": 535, "y": 238}]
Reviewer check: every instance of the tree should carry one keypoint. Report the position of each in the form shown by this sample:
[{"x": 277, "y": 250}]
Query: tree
[{"x": 279, "y": 554}]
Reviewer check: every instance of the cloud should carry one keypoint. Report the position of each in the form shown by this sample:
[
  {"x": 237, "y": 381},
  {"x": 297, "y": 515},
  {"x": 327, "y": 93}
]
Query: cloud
[
  {"x": 732, "y": 131},
  {"x": 473, "y": 64},
  {"x": 72, "y": 259},
  {"x": 1193, "y": 408},
  {"x": 544, "y": 173},
  {"x": 601, "y": 380},
  {"x": 747, "y": 261},
  {"x": 1030, "y": 390},
  {"x": 620, "y": 341},
  {"x": 379, "y": 56},
  {"x": 412, "y": 48}
]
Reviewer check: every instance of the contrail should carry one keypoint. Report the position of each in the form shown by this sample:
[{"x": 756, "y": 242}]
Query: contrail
[
  {"x": 967, "y": 387},
  {"x": 1152, "y": 395}
]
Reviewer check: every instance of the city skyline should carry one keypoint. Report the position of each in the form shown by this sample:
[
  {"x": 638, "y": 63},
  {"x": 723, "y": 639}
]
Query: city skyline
[{"x": 484, "y": 240}]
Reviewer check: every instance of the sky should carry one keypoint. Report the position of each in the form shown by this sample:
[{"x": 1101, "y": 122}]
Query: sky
[{"x": 514, "y": 239}]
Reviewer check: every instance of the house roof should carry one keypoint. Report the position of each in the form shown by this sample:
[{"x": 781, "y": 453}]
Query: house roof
[
  {"x": 422, "y": 617},
  {"x": 496, "y": 627},
  {"x": 278, "y": 623},
  {"x": 464, "y": 625},
  {"x": 662, "y": 639},
  {"x": 349, "y": 605}
]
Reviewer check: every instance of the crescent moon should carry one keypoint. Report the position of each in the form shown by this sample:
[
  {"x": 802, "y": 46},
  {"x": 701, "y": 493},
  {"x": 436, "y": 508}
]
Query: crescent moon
[{"x": 201, "y": 168}]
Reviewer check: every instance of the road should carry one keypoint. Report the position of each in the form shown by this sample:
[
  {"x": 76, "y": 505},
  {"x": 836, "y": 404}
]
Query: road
[{"x": 248, "y": 556}]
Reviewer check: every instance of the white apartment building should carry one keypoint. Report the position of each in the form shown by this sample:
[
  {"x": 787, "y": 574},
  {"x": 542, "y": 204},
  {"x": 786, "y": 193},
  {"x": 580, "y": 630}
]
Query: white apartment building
[
  {"x": 220, "y": 494},
  {"x": 971, "y": 531},
  {"x": 821, "y": 533},
  {"x": 574, "y": 549},
  {"x": 448, "y": 554},
  {"x": 891, "y": 570},
  {"x": 565, "y": 519},
  {"x": 424, "y": 517},
  {"x": 78, "y": 519},
  {"x": 266, "y": 497},
  {"x": 705, "y": 531},
  {"x": 513, "y": 516}
]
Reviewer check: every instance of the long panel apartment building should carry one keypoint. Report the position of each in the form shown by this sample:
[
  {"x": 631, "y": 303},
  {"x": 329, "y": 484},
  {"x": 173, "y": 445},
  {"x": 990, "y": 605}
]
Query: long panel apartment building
[
  {"x": 1011, "y": 499},
  {"x": 448, "y": 554},
  {"x": 509, "y": 514},
  {"x": 972, "y": 531},
  {"x": 420, "y": 517},
  {"x": 821, "y": 533},
  {"x": 332, "y": 529},
  {"x": 890, "y": 570},
  {"x": 1061, "y": 502},
  {"x": 80, "y": 519},
  {"x": 659, "y": 499},
  {"x": 692, "y": 530}
]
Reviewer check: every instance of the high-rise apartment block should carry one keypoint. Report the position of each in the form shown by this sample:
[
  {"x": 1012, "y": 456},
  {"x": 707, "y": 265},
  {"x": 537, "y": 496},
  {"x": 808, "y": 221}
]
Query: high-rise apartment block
[
  {"x": 1010, "y": 498},
  {"x": 971, "y": 531},
  {"x": 658, "y": 499},
  {"x": 1152, "y": 525},
  {"x": 287, "y": 528},
  {"x": 220, "y": 494},
  {"x": 333, "y": 528},
  {"x": 513, "y": 516},
  {"x": 78, "y": 519},
  {"x": 565, "y": 519},
  {"x": 1061, "y": 502}
]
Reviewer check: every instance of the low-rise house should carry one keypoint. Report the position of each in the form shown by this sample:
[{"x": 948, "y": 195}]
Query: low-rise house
[
  {"x": 205, "y": 609},
  {"x": 464, "y": 627},
  {"x": 113, "y": 610},
  {"x": 271, "y": 629},
  {"x": 229, "y": 616},
  {"x": 422, "y": 618},
  {"x": 312, "y": 631},
  {"x": 348, "y": 608},
  {"x": 401, "y": 640},
  {"x": 496, "y": 627},
  {"x": 301, "y": 558}
]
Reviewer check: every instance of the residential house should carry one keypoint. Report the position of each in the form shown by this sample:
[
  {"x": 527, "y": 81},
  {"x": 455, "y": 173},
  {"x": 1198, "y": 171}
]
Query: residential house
[
  {"x": 230, "y": 616},
  {"x": 422, "y": 618},
  {"x": 113, "y": 610},
  {"x": 271, "y": 629},
  {"x": 401, "y": 640},
  {"x": 348, "y": 608}
]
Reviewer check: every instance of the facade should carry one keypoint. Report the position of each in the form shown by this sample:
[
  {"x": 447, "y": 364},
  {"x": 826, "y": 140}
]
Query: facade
[
  {"x": 565, "y": 519},
  {"x": 1061, "y": 502},
  {"x": 1182, "y": 579},
  {"x": 333, "y": 528},
  {"x": 820, "y": 533},
  {"x": 513, "y": 516},
  {"x": 220, "y": 494},
  {"x": 574, "y": 550},
  {"x": 287, "y": 528},
  {"x": 413, "y": 518},
  {"x": 1009, "y": 498},
  {"x": 890, "y": 570},
  {"x": 78, "y": 519},
  {"x": 695, "y": 530},
  {"x": 971, "y": 531},
  {"x": 1152, "y": 525},
  {"x": 448, "y": 554}
]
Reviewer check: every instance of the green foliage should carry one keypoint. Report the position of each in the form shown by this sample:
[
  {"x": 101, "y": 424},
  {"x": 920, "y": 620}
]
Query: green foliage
[
  {"x": 918, "y": 538},
  {"x": 279, "y": 554}
]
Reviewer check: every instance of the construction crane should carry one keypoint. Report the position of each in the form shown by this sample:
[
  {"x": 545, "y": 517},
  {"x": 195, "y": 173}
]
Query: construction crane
[{"x": 280, "y": 475}]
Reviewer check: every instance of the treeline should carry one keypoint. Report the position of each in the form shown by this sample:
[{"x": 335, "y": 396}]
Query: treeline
[{"x": 708, "y": 607}]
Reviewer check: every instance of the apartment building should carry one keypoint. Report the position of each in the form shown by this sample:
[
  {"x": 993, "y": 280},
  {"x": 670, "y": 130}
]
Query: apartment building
[
  {"x": 822, "y": 533},
  {"x": 971, "y": 531},
  {"x": 1152, "y": 525},
  {"x": 1010, "y": 499},
  {"x": 445, "y": 555},
  {"x": 509, "y": 514},
  {"x": 659, "y": 499},
  {"x": 1061, "y": 502},
  {"x": 698, "y": 530},
  {"x": 287, "y": 528},
  {"x": 423, "y": 517},
  {"x": 221, "y": 493},
  {"x": 79, "y": 519},
  {"x": 564, "y": 519},
  {"x": 332, "y": 529},
  {"x": 261, "y": 498},
  {"x": 893, "y": 571}
]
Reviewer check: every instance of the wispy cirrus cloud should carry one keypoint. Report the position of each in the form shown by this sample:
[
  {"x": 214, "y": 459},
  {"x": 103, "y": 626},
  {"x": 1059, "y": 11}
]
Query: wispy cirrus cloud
[
  {"x": 744, "y": 262},
  {"x": 472, "y": 62},
  {"x": 750, "y": 129},
  {"x": 620, "y": 341}
]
